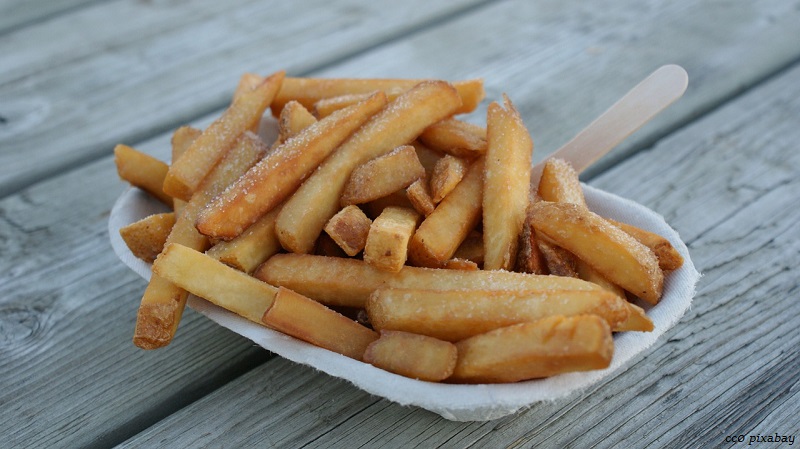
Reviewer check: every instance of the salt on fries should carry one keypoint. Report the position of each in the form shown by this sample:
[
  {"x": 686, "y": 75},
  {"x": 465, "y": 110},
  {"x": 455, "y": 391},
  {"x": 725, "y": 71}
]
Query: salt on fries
[{"x": 374, "y": 196}]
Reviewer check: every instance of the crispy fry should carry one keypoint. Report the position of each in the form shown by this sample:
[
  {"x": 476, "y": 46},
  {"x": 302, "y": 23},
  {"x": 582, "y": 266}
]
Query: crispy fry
[
  {"x": 559, "y": 261},
  {"x": 142, "y": 170},
  {"x": 317, "y": 200},
  {"x": 454, "y": 315},
  {"x": 668, "y": 257},
  {"x": 349, "y": 229},
  {"x": 182, "y": 138},
  {"x": 387, "y": 241},
  {"x": 146, "y": 237},
  {"x": 529, "y": 257},
  {"x": 383, "y": 175},
  {"x": 559, "y": 183},
  {"x": 542, "y": 348},
  {"x": 456, "y": 137},
  {"x": 441, "y": 233},
  {"x": 293, "y": 119},
  {"x": 275, "y": 177},
  {"x": 605, "y": 247},
  {"x": 507, "y": 173},
  {"x": 327, "y": 106},
  {"x": 349, "y": 282},
  {"x": 303, "y": 318},
  {"x": 411, "y": 355},
  {"x": 419, "y": 195},
  {"x": 446, "y": 174},
  {"x": 310, "y": 90},
  {"x": 187, "y": 172},
  {"x": 214, "y": 281},
  {"x": 252, "y": 247},
  {"x": 247, "y": 82}
]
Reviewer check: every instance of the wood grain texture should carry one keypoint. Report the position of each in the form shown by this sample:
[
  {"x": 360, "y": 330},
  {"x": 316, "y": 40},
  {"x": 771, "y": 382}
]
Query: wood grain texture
[
  {"x": 728, "y": 184},
  {"x": 73, "y": 87},
  {"x": 16, "y": 14}
]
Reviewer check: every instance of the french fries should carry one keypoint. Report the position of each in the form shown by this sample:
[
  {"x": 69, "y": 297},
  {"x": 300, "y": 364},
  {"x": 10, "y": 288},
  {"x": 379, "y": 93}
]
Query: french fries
[{"x": 424, "y": 217}]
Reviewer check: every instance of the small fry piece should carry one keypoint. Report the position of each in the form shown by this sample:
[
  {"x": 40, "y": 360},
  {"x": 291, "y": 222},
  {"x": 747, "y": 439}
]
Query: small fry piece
[
  {"x": 441, "y": 233},
  {"x": 539, "y": 349},
  {"x": 559, "y": 261},
  {"x": 456, "y": 137},
  {"x": 349, "y": 229},
  {"x": 387, "y": 241},
  {"x": 529, "y": 257},
  {"x": 276, "y": 176},
  {"x": 383, "y": 175},
  {"x": 637, "y": 321},
  {"x": 560, "y": 183},
  {"x": 395, "y": 199},
  {"x": 293, "y": 119},
  {"x": 214, "y": 281},
  {"x": 186, "y": 173},
  {"x": 419, "y": 195},
  {"x": 302, "y": 218},
  {"x": 447, "y": 173},
  {"x": 252, "y": 247},
  {"x": 146, "y": 237},
  {"x": 303, "y": 318},
  {"x": 454, "y": 315},
  {"x": 507, "y": 174},
  {"x": 415, "y": 356},
  {"x": 668, "y": 257},
  {"x": 142, "y": 170},
  {"x": 461, "y": 264},
  {"x": 350, "y": 282},
  {"x": 605, "y": 247}
]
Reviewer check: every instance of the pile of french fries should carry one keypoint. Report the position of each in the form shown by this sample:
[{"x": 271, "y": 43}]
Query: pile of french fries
[{"x": 380, "y": 226}]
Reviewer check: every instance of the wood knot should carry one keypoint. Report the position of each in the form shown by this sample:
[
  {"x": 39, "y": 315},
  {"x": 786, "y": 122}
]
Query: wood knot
[{"x": 17, "y": 323}]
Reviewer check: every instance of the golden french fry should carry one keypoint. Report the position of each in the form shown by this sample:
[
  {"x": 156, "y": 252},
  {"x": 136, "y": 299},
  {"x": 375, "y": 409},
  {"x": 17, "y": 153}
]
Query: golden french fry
[
  {"x": 415, "y": 356},
  {"x": 387, "y": 241},
  {"x": 327, "y": 106},
  {"x": 349, "y": 282},
  {"x": 317, "y": 200},
  {"x": 275, "y": 177},
  {"x": 529, "y": 257},
  {"x": 308, "y": 91},
  {"x": 252, "y": 247},
  {"x": 349, "y": 229},
  {"x": 542, "y": 348},
  {"x": 142, "y": 170},
  {"x": 456, "y": 137},
  {"x": 146, "y": 237},
  {"x": 446, "y": 174},
  {"x": 182, "y": 138},
  {"x": 247, "y": 82},
  {"x": 441, "y": 233},
  {"x": 187, "y": 172},
  {"x": 419, "y": 195},
  {"x": 605, "y": 247},
  {"x": 293, "y": 119},
  {"x": 303, "y": 318},
  {"x": 506, "y": 184},
  {"x": 559, "y": 261},
  {"x": 382, "y": 176},
  {"x": 214, "y": 281},
  {"x": 668, "y": 257},
  {"x": 560, "y": 183},
  {"x": 454, "y": 315}
]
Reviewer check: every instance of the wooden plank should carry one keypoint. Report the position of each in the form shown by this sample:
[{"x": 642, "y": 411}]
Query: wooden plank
[
  {"x": 15, "y": 14},
  {"x": 728, "y": 183},
  {"x": 70, "y": 97}
]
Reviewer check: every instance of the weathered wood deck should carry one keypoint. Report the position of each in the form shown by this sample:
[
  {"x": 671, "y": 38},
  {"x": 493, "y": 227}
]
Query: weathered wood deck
[{"x": 721, "y": 165}]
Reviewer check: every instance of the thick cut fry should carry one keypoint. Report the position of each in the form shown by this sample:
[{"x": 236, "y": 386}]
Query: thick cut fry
[
  {"x": 247, "y": 82},
  {"x": 163, "y": 302},
  {"x": 275, "y": 177},
  {"x": 349, "y": 229},
  {"x": 250, "y": 249},
  {"x": 387, "y": 241},
  {"x": 441, "y": 233},
  {"x": 293, "y": 119},
  {"x": 411, "y": 355},
  {"x": 539, "y": 349},
  {"x": 303, "y": 318},
  {"x": 182, "y": 138},
  {"x": 146, "y": 237},
  {"x": 419, "y": 195},
  {"x": 458, "y": 314},
  {"x": 308, "y": 91},
  {"x": 142, "y": 170},
  {"x": 668, "y": 257},
  {"x": 447, "y": 173},
  {"x": 456, "y": 137},
  {"x": 187, "y": 172},
  {"x": 349, "y": 282},
  {"x": 506, "y": 185},
  {"x": 214, "y": 281},
  {"x": 317, "y": 200},
  {"x": 327, "y": 106},
  {"x": 605, "y": 247},
  {"x": 560, "y": 183},
  {"x": 382, "y": 176},
  {"x": 637, "y": 318}
]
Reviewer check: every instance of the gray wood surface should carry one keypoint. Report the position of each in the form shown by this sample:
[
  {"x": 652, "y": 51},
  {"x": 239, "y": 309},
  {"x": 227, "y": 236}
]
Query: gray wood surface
[{"x": 722, "y": 168}]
